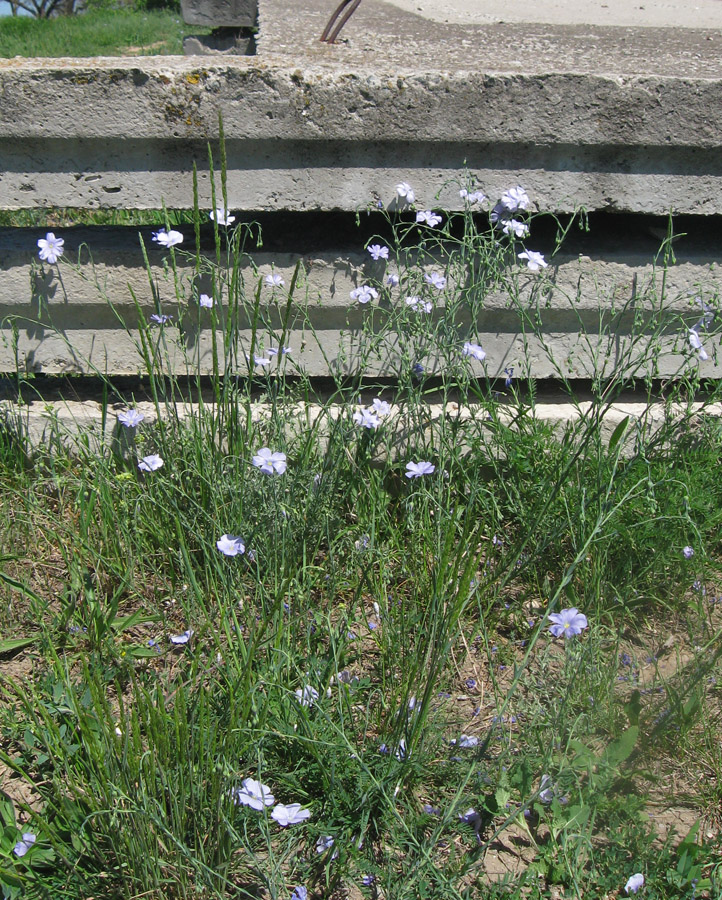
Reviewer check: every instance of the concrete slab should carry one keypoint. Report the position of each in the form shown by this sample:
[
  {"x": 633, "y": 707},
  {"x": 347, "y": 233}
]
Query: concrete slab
[
  {"x": 682, "y": 39},
  {"x": 585, "y": 321},
  {"x": 82, "y": 425},
  {"x": 340, "y": 133},
  {"x": 622, "y": 13}
]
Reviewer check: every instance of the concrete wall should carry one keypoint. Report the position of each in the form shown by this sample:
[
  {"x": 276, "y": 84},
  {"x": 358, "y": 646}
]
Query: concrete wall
[{"x": 321, "y": 136}]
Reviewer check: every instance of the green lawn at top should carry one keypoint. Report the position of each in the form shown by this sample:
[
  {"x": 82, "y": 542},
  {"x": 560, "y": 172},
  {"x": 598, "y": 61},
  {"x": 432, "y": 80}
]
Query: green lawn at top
[
  {"x": 272, "y": 642},
  {"x": 97, "y": 32}
]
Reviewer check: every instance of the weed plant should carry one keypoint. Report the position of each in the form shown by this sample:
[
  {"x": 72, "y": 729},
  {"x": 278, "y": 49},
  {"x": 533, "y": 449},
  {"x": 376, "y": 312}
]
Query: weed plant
[{"x": 403, "y": 641}]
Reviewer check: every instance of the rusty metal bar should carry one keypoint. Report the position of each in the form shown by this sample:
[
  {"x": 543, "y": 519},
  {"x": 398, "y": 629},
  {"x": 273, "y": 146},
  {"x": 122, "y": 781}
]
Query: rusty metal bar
[{"x": 330, "y": 33}]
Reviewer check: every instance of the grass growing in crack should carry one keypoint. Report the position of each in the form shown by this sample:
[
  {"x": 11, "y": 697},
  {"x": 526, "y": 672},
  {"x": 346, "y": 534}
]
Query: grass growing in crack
[{"x": 344, "y": 600}]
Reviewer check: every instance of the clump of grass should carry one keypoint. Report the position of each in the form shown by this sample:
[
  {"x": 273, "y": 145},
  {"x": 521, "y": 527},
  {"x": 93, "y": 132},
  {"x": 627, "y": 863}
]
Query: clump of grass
[
  {"x": 96, "y": 32},
  {"x": 47, "y": 217},
  {"x": 352, "y": 607}
]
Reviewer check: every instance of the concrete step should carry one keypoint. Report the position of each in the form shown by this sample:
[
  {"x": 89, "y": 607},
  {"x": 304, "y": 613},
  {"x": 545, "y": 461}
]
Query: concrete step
[
  {"x": 84, "y": 424},
  {"x": 599, "y": 305},
  {"x": 608, "y": 117}
]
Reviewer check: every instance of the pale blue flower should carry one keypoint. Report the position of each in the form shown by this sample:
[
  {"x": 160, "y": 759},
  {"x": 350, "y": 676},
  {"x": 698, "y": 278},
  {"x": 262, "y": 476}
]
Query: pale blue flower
[
  {"x": 307, "y": 695},
  {"x": 634, "y": 883},
  {"x": 261, "y": 361},
  {"x": 471, "y": 817},
  {"x": 51, "y": 248},
  {"x": 366, "y": 418},
  {"x": 417, "y": 469},
  {"x": 274, "y": 351},
  {"x": 419, "y": 305},
  {"x": 182, "y": 638},
  {"x": 325, "y": 843},
  {"x": 405, "y": 192},
  {"x": 368, "y": 880},
  {"x": 435, "y": 280},
  {"x": 221, "y": 216},
  {"x": 707, "y": 313},
  {"x": 270, "y": 463},
  {"x": 381, "y": 407},
  {"x": 696, "y": 343},
  {"x": 688, "y": 552},
  {"x": 150, "y": 463},
  {"x": 160, "y": 319},
  {"x": 432, "y": 219},
  {"x": 254, "y": 794},
  {"x": 568, "y": 622},
  {"x": 392, "y": 280},
  {"x": 509, "y": 375},
  {"x": 274, "y": 280},
  {"x": 231, "y": 545},
  {"x": 546, "y": 789},
  {"x": 205, "y": 301},
  {"x": 300, "y": 893},
  {"x": 515, "y": 198},
  {"x": 466, "y": 742},
  {"x": 131, "y": 418},
  {"x": 472, "y": 197},
  {"x": 474, "y": 350},
  {"x": 167, "y": 238},
  {"x": 23, "y": 845},
  {"x": 290, "y": 814},
  {"x": 499, "y": 215},
  {"x": 515, "y": 227},
  {"x": 377, "y": 251},
  {"x": 534, "y": 261},
  {"x": 364, "y": 294}
]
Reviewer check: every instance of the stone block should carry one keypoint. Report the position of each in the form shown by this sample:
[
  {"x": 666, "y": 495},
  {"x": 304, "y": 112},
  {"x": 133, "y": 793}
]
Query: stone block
[{"x": 220, "y": 13}]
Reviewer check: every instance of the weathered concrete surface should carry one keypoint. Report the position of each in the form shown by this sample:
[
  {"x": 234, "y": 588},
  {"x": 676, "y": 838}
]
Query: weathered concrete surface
[
  {"x": 388, "y": 38},
  {"x": 578, "y": 321},
  {"x": 83, "y": 425},
  {"x": 605, "y": 117},
  {"x": 646, "y": 14},
  {"x": 226, "y": 42},
  {"x": 326, "y": 140}
]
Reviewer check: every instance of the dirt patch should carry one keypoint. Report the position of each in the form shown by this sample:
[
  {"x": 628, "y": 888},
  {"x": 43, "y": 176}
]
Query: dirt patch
[
  {"x": 15, "y": 670},
  {"x": 509, "y": 855},
  {"x": 143, "y": 51},
  {"x": 19, "y": 790}
]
